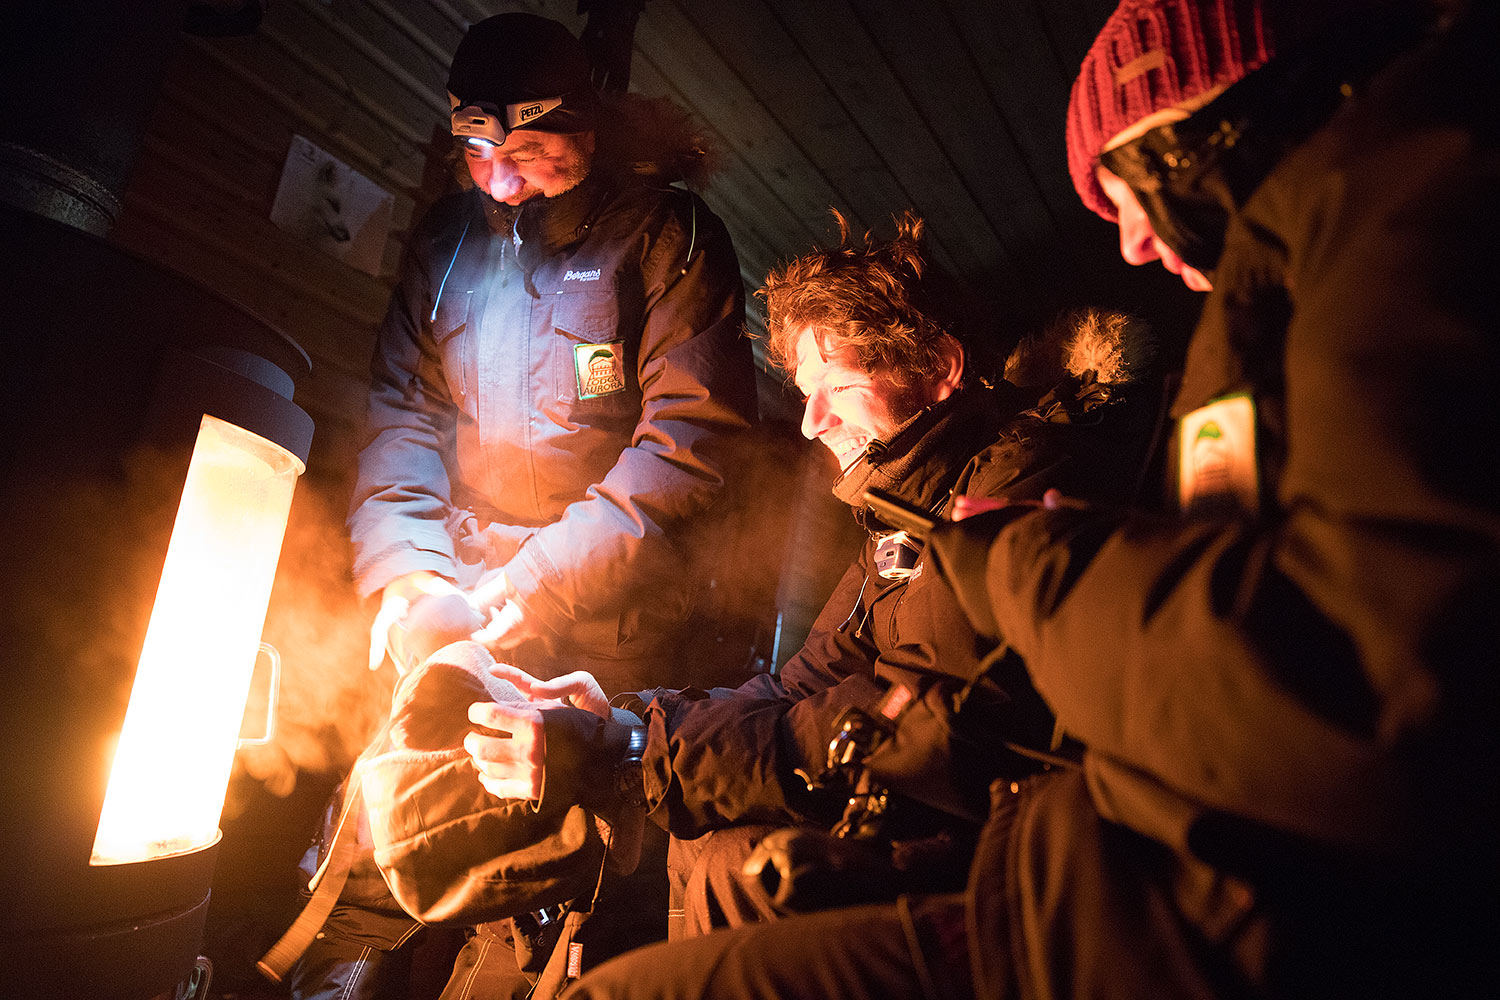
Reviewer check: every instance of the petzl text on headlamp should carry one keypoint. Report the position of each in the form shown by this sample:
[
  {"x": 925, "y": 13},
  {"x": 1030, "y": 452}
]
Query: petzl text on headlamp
[{"x": 493, "y": 124}]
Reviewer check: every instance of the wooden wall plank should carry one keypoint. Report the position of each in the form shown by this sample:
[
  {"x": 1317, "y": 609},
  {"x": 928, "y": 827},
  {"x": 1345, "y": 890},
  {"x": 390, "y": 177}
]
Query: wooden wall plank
[
  {"x": 173, "y": 185},
  {"x": 428, "y": 28},
  {"x": 397, "y": 115},
  {"x": 311, "y": 108},
  {"x": 380, "y": 59}
]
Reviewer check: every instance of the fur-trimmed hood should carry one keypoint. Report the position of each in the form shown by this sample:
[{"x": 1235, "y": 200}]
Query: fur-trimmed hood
[
  {"x": 1065, "y": 374},
  {"x": 1116, "y": 348},
  {"x": 654, "y": 137}
]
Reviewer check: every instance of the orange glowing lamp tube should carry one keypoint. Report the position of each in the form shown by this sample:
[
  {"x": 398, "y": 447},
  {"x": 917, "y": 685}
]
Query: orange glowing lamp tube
[{"x": 172, "y": 766}]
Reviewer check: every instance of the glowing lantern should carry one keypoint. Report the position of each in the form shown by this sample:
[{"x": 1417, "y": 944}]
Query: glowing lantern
[{"x": 176, "y": 750}]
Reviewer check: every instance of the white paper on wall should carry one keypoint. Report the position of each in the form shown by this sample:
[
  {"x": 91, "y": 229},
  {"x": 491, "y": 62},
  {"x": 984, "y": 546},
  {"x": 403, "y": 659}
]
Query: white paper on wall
[{"x": 332, "y": 206}]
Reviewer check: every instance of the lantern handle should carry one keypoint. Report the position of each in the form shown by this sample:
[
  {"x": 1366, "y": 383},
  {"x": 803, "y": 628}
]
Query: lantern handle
[{"x": 272, "y": 696}]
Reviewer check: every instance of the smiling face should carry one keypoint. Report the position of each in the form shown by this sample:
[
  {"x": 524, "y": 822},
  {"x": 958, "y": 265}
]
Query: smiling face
[
  {"x": 529, "y": 164},
  {"x": 848, "y": 407}
]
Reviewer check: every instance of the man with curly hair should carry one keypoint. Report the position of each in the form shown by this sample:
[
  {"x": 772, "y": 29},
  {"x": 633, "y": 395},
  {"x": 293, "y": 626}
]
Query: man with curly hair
[
  {"x": 1287, "y": 681},
  {"x": 889, "y": 372}
]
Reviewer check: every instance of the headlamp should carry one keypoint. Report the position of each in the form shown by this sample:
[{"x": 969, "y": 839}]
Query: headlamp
[
  {"x": 484, "y": 123},
  {"x": 897, "y": 555}
]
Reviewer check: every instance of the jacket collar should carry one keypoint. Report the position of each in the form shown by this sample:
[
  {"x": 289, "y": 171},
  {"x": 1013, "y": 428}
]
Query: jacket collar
[
  {"x": 554, "y": 224},
  {"x": 924, "y": 456},
  {"x": 549, "y": 224}
]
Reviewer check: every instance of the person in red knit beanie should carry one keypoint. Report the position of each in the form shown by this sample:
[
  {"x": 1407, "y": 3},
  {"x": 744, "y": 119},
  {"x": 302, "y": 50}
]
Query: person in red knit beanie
[
  {"x": 1286, "y": 683},
  {"x": 1154, "y": 63}
]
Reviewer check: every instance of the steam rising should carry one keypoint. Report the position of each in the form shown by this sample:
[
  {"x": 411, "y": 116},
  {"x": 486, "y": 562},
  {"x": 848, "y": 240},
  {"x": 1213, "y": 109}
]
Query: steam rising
[{"x": 330, "y": 704}]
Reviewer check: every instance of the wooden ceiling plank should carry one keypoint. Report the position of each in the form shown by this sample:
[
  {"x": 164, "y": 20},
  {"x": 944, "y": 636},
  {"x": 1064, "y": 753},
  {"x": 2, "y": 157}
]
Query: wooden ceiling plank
[
  {"x": 1008, "y": 43},
  {"x": 783, "y": 57},
  {"x": 735, "y": 191},
  {"x": 754, "y": 46},
  {"x": 866, "y": 92},
  {"x": 312, "y": 109},
  {"x": 926, "y": 56},
  {"x": 704, "y": 84}
]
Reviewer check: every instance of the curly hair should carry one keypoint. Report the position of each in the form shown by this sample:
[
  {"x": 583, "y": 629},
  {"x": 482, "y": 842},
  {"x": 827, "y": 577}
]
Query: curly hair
[{"x": 870, "y": 297}]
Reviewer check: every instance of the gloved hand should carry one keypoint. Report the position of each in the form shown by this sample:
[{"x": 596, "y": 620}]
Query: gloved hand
[
  {"x": 803, "y": 870},
  {"x": 419, "y": 614},
  {"x": 571, "y": 751}
]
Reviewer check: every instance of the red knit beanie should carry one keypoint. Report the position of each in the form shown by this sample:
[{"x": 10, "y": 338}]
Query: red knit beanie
[{"x": 1151, "y": 55}]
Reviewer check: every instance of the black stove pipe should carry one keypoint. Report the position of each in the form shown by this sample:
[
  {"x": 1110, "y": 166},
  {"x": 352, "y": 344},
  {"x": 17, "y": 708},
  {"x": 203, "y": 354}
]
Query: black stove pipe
[{"x": 110, "y": 363}]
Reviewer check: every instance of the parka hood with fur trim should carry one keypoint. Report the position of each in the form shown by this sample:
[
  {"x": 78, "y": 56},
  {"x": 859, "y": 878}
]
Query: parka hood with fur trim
[{"x": 1062, "y": 375}]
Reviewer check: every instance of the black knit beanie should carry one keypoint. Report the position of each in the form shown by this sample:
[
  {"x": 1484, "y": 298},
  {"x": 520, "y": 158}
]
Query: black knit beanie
[{"x": 517, "y": 57}]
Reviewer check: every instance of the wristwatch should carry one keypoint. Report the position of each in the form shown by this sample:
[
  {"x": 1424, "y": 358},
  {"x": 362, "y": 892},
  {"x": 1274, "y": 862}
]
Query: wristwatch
[{"x": 630, "y": 773}]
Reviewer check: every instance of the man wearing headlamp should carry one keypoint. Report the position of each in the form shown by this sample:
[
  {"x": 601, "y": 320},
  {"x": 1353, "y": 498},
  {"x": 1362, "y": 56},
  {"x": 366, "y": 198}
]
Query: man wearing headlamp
[
  {"x": 510, "y": 159},
  {"x": 553, "y": 384},
  {"x": 554, "y": 391}
]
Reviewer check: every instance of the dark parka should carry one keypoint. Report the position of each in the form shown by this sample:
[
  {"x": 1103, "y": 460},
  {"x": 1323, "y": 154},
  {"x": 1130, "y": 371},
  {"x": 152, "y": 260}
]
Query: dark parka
[
  {"x": 488, "y": 425},
  {"x": 732, "y": 757},
  {"x": 1291, "y": 714}
]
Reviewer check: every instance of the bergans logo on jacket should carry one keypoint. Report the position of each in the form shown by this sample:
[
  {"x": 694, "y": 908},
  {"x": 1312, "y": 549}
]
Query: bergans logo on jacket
[{"x": 592, "y": 275}]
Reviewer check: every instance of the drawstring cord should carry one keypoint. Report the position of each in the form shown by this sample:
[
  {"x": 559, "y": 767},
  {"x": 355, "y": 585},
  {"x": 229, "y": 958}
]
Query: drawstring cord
[
  {"x": 857, "y": 599},
  {"x": 444, "y": 283}
]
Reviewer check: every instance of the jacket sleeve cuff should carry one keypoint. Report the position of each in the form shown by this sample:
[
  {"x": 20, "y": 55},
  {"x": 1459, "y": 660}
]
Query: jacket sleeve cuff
[
  {"x": 526, "y": 577},
  {"x": 582, "y": 751},
  {"x": 372, "y": 574}
]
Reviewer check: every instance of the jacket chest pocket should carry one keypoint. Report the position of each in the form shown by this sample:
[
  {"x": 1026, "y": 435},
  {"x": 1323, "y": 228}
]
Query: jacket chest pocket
[
  {"x": 592, "y": 367},
  {"x": 450, "y": 333}
]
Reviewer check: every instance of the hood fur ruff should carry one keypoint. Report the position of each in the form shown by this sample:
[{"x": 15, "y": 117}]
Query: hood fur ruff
[
  {"x": 654, "y": 137},
  {"x": 1117, "y": 348}
]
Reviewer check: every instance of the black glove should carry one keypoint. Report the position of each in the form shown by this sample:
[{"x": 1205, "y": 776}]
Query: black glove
[
  {"x": 805, "y": 870},
  {"x": 585, "y": 753}
]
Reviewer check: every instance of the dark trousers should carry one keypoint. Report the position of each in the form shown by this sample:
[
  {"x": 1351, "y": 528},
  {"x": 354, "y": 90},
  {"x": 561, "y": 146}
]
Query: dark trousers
[
  {"x": 911, "y": 949},
  {"x": 365, "y": 954},
  {"x": 631, "y": 911}
]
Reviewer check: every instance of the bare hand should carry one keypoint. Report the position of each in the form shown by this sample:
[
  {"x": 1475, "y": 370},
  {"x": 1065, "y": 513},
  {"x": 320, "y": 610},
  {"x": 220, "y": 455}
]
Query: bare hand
[
  {"x": 578, "y": 688},
  {"x": 395, "y": 602},
  {"x": 510, "y": 767},
  {"x": 964, "y": 506},
  {"x": 508, "y": 627}
]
